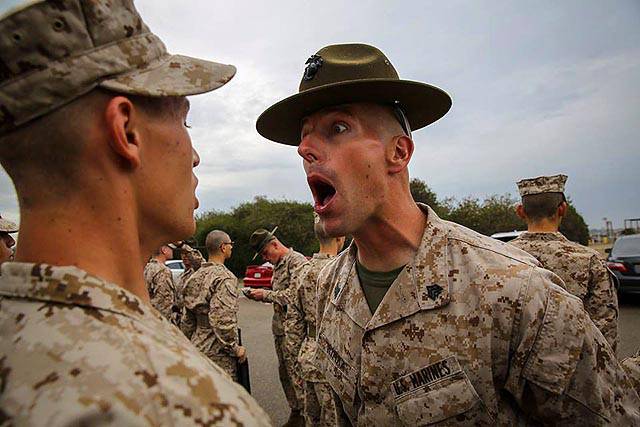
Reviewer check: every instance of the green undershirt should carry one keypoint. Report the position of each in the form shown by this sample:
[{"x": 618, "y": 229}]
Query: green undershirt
[{"x": 375, "y": 284}]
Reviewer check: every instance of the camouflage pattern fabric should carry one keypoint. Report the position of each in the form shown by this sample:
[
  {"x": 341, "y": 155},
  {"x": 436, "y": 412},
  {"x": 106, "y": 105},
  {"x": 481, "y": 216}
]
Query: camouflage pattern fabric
[
  {"x": 542, "y": 184},
  {"x": 8, "y": 226},
  {"x": 632, "y": 366},
  {"x": 161, "y": 289},
  {"x": 280, "y": 293},
  {"x": 210, "y": 318},
  {"x": 196, "y": 258},
  {"x": 77, "y": 350},
  {"x": 319, "y": 405},
  {"x": 56, "y": 51},
  {"x": 472, "y": 332},
  {"x": 584, "y": 273}
]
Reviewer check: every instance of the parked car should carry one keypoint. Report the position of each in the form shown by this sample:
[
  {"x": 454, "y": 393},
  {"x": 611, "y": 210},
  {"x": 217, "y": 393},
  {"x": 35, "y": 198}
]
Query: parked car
[
  {"x": 258, "y": 276},
  {"x": 624, "y": 261},
  {"x": 177, "y": 268},
  {"x": 507, "y": 236}
]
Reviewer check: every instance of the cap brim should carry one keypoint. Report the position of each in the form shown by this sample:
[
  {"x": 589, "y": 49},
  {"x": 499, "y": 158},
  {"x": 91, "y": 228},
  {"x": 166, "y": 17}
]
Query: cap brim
[
  {"x": 8, "y": 226},
  {"x": 423, "y": 104},
  {"x": 176, "y": 75},
  {"x": 265, "y": 241}
]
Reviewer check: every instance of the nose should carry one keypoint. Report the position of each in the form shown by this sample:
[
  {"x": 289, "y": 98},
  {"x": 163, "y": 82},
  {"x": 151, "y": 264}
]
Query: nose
[
  {"x": 308, "y": 149},
  {"x": 196, "y": 157}
]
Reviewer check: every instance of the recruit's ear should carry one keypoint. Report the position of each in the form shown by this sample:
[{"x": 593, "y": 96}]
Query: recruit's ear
[
  {"x": 399, "y": 153},
  {"x": 562, "y": 209},
  {"x": 123, "y": 121},
  {"x": 520, "y": 212}
]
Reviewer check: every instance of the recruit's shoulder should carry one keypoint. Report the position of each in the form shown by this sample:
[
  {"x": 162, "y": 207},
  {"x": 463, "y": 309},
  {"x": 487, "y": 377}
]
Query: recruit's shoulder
[{"x": 76, "y": 349}]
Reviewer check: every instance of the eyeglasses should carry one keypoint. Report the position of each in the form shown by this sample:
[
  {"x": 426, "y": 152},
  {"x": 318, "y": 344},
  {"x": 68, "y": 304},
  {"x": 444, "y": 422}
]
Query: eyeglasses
[{"x": 227, "y": 243}]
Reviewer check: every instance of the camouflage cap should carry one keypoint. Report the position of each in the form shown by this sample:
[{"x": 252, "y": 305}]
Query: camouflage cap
[
  {"x": 7, "y": 226},
  {"x": 542, "y": 184},
  {"x": 52, "y": 52}
]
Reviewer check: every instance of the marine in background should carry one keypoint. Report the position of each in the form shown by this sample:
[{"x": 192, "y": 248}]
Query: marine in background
[
  {"x": 285, "y": 262},
  {"x": 301, "y": 325},
  {"x": 160, "y": 285},
  {"x": 7, "y": 242},
  {"x": 192, "y": 259},
  {"x": 210, "y": 315},
  {"x": 582, "y": 269}
]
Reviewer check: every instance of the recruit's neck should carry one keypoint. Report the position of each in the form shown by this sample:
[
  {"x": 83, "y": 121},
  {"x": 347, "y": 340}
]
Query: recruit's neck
[
  {"x": 390, "y": 239},
  {"x": 92, "y": 235}
]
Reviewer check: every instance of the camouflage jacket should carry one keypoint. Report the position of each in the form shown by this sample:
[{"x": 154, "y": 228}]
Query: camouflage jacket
[
  {"x": 281, "y": 293},
  {"x": 196, "y": 257},
  {"x": 210, "y": 317},
  {"x": 632, "y": 366},
  {"x": 300, "y": 324},
  {"x": 160, "y": 286},
  {"x": 584, "y": 273},
  {"x": 471, "y": 332},
  {"x": 77, "y": 350}
]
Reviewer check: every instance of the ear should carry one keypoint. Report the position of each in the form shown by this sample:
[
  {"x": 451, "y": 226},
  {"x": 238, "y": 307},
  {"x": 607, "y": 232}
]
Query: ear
[
  {"x": 123, "y": 121},
  {"x": 399, "y": 153},
  {"x": 520, "y": 212},
  {"x": 562, "y": 209}
]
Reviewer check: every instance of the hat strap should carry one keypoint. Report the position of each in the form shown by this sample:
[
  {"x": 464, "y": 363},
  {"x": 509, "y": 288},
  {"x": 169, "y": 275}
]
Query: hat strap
[{"x": 402, "y": 118}]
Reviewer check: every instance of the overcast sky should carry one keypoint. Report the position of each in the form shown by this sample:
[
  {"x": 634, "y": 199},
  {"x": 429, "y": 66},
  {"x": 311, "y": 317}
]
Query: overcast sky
[{"x": 537, "y": 87}]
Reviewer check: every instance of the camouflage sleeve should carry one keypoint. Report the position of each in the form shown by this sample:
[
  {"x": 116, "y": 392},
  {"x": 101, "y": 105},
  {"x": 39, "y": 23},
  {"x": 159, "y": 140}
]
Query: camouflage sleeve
[
  {"x": 601, "y": 301},
  {"x": 561, "y": 369},
  {"x": 223, "y": 314},
  {"x": 164, "y": 297},
  {"x": 188, "y": 323},
  {"x": 632, "y": 366},
  {"x": 286, "y": 295},
  {"x": 294, "y": 325}
]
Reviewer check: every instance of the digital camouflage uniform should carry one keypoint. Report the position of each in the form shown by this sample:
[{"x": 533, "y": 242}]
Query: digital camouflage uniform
[
  {"x": 210, "y": 318},
  {"x": 77, "y": 350},
  {"x": 280, "y": 296},
  {"x": 632, "y": 366},
  {"x": 162, "y": 292},
  {"x": 471, "y": 332},
  {"x": 195, "y": 258},
  {"x": 319, "y": 406},
  {"x": 584, "y": 273}
]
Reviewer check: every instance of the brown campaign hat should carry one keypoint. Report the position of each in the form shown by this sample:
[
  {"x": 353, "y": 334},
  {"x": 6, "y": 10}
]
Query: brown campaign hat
[
  {"x": 260, "y": 238},
  {"x": 347, "y": 73},
  {"x": 52, "y": 52}
]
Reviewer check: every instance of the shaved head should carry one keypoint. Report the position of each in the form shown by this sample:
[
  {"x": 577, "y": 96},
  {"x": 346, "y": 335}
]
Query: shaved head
[{"x": 214, "y": 239}]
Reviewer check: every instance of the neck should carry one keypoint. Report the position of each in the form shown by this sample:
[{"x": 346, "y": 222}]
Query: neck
[
  {"x": 329, "y": 249},
  {"x": 390, "y": 239},
  {"x": 544, "y": 226},
  {"x": 98, "y": 235},
  {"x": 217, "y": 258}
]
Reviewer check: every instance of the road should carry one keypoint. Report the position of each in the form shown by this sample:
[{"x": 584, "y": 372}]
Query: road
[{"x": 255, "y": 321}]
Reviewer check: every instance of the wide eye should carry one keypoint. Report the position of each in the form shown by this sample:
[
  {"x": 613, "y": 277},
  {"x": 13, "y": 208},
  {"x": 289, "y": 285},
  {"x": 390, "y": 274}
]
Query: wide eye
[{"x": 339, "y": 127}]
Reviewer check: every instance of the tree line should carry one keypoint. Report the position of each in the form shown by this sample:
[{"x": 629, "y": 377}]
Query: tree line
[{"x": 295, "y": 219}]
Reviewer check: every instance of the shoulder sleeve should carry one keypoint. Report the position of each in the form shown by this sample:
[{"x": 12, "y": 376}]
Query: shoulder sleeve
[
  {"x": 223, "y": 314},
  {"x": 562, "y": 370},
  {"x": 601, "y": 301}
]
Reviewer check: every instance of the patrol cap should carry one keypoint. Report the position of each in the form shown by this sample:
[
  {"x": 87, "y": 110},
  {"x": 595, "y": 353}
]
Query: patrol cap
[
  {"x": 542, "y": 184},
  {"x": 347, "y": 73},
  {"x": 260, "y": 238},
  {"x": 52, "y": 52},
  {"x": 7, "y": 226}
]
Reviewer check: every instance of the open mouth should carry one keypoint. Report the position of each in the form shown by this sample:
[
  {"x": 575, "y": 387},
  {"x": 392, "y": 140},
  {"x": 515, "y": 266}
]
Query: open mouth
[{"x": 323, "y": 192}]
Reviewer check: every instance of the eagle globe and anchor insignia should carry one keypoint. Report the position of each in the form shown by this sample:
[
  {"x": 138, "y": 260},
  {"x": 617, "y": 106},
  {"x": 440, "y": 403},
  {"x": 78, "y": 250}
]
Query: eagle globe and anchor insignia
[{"x": 313, "y": 65}]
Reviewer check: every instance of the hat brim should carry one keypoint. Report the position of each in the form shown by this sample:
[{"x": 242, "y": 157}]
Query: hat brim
[
  {"x": 423, "y": 104},
  {"x": 7, "y": 226},
  {"x": 264, "y": 242},
  {"x": 176, "y": 75}
]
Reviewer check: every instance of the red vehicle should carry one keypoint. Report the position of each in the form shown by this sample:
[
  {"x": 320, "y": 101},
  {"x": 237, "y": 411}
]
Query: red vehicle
[{"x": 258, "y": 276}]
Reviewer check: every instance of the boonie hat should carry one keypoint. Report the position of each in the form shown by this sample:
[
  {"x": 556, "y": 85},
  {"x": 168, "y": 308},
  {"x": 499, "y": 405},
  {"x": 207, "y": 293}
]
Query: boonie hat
[
  {"x": 348, "y": 73},
  {"x": 542, "y": 184},
  {"x": 53, "y": 52},
  {"x": 7, "y": 226},
  {"x": 260, "y": 238}
]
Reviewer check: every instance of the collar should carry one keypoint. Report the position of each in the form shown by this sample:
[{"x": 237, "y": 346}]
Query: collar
[
  {"x": 319, "y": 255},
  {"x": 283, "y": 259},
  {"x": 422, "y": 285},
  {"x": 552, "y": 236},
  {"x": 70, "y": 286}
]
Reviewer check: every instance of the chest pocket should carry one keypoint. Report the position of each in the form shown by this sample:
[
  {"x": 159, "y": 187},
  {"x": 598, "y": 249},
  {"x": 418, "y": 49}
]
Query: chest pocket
[{"x": 439, "y": 394}]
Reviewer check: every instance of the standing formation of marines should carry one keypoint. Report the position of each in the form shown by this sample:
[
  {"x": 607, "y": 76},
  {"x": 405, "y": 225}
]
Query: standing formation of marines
[{"x": 419, "y": 321}]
